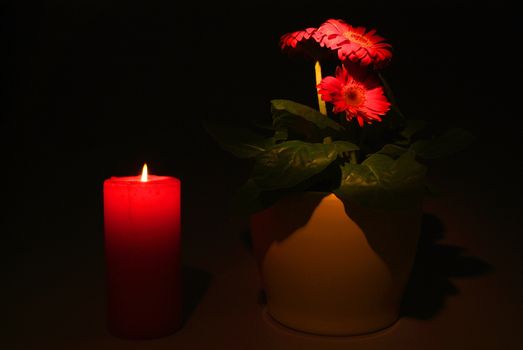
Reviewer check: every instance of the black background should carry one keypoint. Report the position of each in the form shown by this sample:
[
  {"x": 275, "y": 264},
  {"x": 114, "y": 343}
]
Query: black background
[
  {"x": 94, "y": 89},
  {"x": 104, "y": 75},
  {"x": 139, "y": 78}
]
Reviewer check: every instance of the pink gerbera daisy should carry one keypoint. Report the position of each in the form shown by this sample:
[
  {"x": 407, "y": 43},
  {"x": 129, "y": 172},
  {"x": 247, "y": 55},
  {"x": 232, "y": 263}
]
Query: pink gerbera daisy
[
  {"x": 305, "y": 42},
  {"x": 291, "y": 40},
  {"x": 354, "y": 43},
  {"x": 356, "y": 92}
]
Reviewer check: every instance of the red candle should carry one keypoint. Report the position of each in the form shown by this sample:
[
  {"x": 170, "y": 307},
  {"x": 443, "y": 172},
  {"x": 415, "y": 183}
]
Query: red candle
[{"x": 142, "y": 247}]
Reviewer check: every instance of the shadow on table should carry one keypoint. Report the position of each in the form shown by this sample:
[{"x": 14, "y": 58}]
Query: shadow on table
[
  {"x": 434, "y": 267},
  {"x": 195, "y": 283}
]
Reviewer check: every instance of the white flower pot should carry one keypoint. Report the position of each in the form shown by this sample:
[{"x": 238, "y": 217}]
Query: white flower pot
[{"x": 334, "y": 269}]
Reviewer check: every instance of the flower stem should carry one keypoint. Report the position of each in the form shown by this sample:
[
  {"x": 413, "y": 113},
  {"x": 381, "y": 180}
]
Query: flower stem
[
  {"x": 353, "y": 159},
  {"x": 388, "y": 90},
  {"x": 321, "y": 103}
]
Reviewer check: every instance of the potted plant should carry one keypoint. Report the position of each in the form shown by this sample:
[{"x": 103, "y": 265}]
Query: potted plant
[{"x": 335, "y": 192}]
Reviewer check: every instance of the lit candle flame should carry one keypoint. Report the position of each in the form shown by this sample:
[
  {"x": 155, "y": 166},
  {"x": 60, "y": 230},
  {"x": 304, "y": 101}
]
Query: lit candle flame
[{"x": 144, "y": 173}]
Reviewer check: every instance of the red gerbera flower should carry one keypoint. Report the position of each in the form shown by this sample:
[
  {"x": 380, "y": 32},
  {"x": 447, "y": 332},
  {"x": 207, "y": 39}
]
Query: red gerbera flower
[
  {"x": 292, "y": 39},
  {"x": 354, "y": 43},
  {"x": 356, "y": 92},
  {"x": 306, "y": 42}
]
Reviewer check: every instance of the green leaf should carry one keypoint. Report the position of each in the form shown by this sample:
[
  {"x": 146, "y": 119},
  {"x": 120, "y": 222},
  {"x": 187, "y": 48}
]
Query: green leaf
[
  {"x": 383, "y": 182},
  {"x": 241, "y": 142},
  {"x": 412, "y": 127},
  {"x": 297, "y": 109},
  {"x": 358, "y": 183},
  {"x": 378, "y": 165},
  {"x": 452, "y": 141},
  {"x": 288, "y": 163},
  {"x": 406, "y": 172},
  {"x": 291, "y": 126},
  {"x": 391, "y": 150},
  {"x": 344, "y": 147},
  {"x": 281, "y": 135}
]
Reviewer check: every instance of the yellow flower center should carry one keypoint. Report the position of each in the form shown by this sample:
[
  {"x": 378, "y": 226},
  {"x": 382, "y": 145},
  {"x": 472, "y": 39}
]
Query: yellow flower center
[
  {"x": 354, "y": 96},
  {"x": 358, "y": 39}
]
